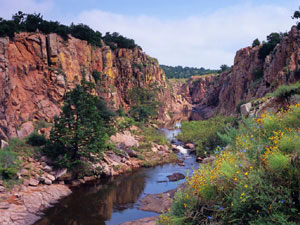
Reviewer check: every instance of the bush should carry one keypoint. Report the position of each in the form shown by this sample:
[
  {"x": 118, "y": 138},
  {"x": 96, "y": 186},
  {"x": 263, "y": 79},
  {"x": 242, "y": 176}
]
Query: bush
[
  {"x": 145, "y": 104},
  {"x": 96, "y": 75},
  {"x": 36, "y": 139},
  {"x": 286, "y": 91},
  {"x": 8, "y": 166},
  {"x": 255, "y": 180},
  {"x": 204, "y": 133}
]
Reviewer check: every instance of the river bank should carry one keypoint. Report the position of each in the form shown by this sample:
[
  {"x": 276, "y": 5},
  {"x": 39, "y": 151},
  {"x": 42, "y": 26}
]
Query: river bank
[
  {"x": 42, "y": 186},
  {"x": 117, "y": 199}
]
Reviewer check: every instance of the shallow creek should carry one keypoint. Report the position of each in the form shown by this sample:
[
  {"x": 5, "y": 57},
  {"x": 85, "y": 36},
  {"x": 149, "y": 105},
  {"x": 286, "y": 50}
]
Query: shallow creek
[{"x": 116, "y": 200}]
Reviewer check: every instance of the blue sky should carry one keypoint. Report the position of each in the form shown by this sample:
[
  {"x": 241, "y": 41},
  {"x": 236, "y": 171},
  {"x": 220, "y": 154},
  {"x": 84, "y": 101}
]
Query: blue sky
[{"x": 177, "y": 32}]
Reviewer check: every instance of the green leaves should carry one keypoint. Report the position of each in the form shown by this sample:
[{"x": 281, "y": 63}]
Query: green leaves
[{"x": 81, "y": 129}]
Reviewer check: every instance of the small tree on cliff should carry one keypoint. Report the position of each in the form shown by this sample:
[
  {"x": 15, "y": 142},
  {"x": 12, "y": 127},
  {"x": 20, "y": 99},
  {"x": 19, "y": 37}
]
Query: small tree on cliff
[
  {"x": 80, "y": 130},
  {"x": 297, "y": 16}
]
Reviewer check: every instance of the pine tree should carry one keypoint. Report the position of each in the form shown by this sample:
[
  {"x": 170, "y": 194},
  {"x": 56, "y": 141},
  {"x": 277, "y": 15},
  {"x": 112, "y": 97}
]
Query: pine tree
[{"x": 80, "y": 130}]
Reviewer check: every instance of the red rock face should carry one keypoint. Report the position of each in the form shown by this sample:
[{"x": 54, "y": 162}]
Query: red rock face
[
  {"x": 37, "y": 70},
  {"x": 249, "y": 78}
]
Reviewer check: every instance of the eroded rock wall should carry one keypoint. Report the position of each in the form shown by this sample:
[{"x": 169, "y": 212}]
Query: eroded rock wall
[
  {"x": 248, "y": 79},
  {"x": 37, "y": 70}
]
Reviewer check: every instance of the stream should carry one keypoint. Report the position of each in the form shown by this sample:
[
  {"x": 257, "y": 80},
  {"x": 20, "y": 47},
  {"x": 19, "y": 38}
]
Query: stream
[{"x": 116, "y": 200}]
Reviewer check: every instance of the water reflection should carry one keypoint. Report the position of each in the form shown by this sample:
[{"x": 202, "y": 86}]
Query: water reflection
[
  {"x": 94, "y": 204},
  {"x": 116, "y": 200}
]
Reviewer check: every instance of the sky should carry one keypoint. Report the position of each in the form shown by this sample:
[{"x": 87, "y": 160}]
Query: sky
[{"x": 198, "y": 33}]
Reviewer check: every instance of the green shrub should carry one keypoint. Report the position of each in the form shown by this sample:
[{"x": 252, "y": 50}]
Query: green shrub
[
  {"x": 96, "y": 75},
  {"x": 286, "y": 91},
  {"x": 8, "y": 166},
  {"x": 204, "y": 133},
  {"x": 278, "y": 162},
  {"x": 36, "y": 139}
]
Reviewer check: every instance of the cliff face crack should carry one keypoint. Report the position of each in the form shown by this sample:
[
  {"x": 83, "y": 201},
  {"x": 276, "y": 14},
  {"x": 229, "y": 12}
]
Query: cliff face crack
[{"x": 48, "y": 50}]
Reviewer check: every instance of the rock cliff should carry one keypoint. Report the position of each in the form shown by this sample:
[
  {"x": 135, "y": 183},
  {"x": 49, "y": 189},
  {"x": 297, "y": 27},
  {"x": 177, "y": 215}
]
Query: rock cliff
[
  {"x": 248, "y": 79},
  {"x": 36, "y": 71}
]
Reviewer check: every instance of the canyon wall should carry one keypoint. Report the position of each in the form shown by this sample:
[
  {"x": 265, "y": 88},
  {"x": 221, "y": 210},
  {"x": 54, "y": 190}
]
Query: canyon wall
[
  {"x": 37, "y": 70},
  {"x": 248, "y": 79}
]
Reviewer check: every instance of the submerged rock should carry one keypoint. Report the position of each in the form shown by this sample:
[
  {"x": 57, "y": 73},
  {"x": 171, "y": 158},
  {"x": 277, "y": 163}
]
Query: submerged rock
[{"x": 176, "y": 177}]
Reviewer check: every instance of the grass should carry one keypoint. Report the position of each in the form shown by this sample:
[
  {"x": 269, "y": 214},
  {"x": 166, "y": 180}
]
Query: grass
[{"x": 254, "y": 180}]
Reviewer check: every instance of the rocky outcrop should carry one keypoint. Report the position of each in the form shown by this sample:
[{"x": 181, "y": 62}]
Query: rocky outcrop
[
  {"x": 24, "y": 207},
  {"x": 249, "y": 78},
  {"x": 36, "y": 71}
]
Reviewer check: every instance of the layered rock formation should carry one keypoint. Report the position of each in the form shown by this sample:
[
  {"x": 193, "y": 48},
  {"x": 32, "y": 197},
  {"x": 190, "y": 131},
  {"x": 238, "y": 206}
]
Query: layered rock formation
[
  {"x": 36, "y": 71},
  {"x": 249, "y": 78}
]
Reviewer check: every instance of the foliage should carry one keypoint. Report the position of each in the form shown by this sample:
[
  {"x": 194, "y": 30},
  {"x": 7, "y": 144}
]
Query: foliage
[
  {"x": 96, "y": 75},
  {"x": 254, "y": 180},
  {"x": 256, "y": 42},
  {"x": 22, "y": 22},
  {"x": 296, "y": 16},
  {"x": 145, "y": 104},
  {"x": 223, "y": 68},
  {"x": 204, "y": 133},
  {"x": 8, "y": 165},
  {"x": 121, "y": 41},
  {"x": 272, "y": 40},
  {"x": 81, "y": 130},
  {"x": 36, "y": 139},
  {"x": 286, "y": 91},
  {"x": 180, "y": 72}
]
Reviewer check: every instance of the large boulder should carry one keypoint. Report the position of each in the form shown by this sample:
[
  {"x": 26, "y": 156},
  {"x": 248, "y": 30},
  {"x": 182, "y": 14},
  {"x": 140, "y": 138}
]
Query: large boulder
[
  {"x": 245, "y": 109},
  {"x": 125, "y": 138},
  {"x": 26, "y": 129},
  {"x": 4, "y": 144}
]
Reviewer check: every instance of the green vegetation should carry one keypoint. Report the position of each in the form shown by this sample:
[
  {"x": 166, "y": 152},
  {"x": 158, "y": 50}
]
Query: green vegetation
[
  {"x": 254, "y": 180},
  {"x": 82, "y": 129},
  {"x": 256, "y": 42},
  {"x": 297, "y": 16},
  {"x": 145, "y": 104},
  {"x": 8, "y": 164},
  {"x": 180, "y": 72},
  {"x": 272, "y": 40},
  {"x": 286, "y": 91},
  {"x": 204, "y": 133},
  {"x": 22, "y": 22},
  {"x": 36, "y": 139}
]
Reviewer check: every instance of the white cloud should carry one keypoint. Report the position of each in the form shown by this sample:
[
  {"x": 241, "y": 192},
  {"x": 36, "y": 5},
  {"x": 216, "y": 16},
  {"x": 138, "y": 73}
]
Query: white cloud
[
  {"x": 10, "y": 7},
  {"x": 207, "y": 40}
]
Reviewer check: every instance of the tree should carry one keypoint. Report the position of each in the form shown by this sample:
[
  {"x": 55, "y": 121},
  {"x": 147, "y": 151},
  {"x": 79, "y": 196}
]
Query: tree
[
  {"x": 256, "y": 42},
  {"x": 297, "y": 16},
  {"x": 80, "y": 130},
  {"x": 223, "y": 68}
]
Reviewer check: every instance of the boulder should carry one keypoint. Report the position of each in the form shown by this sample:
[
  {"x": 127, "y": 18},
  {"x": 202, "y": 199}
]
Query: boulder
[
  {"x": 199, "y": 159},
  {"x": 2, "y": 189},
  {"x": 87, "y": 179},
  {"x": 176, "y": 177},
  {"x": 33, "y": 182},
  {"x": 189, "y": 146},
  {"x": 130, "y": 152},
  {"x": 125, "y": 138},
  {"x": 4, "y": 144},
  {"x": 64, "y": 174},
  {"x": 48, "y": 169},
  {"x": 245, "y": 109},
  {"x": 26, "y": 129},
  {"x": 209, "y": 159}
]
